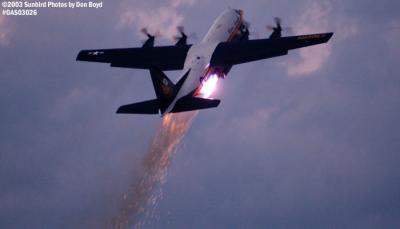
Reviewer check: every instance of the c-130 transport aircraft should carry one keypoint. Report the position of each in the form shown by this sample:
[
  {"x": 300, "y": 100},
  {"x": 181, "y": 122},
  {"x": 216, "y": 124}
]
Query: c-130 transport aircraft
[{"x": 225, "y": 44}]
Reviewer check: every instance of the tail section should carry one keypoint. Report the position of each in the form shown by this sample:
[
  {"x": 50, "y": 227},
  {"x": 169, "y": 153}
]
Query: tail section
[
  {"x": 184, "y": 104},
  {"x": 146, "y": 107},
  {"x": 166, "y": 92},
  {"x": 164, "y": 88},
  {"x": 189, "y": 103}
]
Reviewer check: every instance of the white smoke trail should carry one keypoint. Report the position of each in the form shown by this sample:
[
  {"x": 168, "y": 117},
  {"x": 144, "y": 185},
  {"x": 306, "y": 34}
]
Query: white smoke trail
[
  {"x": 142, "y": 198},
  {"x": 163, "y": 19}
]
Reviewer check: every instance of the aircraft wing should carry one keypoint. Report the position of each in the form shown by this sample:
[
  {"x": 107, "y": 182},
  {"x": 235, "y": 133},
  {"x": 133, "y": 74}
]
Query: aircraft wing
[
  {"x": 231, "y": 53},
  {"x": 162, "y": 57}
]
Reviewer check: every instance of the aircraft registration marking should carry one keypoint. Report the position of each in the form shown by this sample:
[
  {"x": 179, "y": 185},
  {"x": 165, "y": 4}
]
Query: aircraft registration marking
[
  {"x": 95, "y": 53},
  {"x": 313, "y": 36}
]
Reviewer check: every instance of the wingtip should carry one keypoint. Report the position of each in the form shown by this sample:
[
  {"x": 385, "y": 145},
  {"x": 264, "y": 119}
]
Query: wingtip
[
  {"x": 121, "y": 110},
  {"x": 329, "y": 35},
  {"x": 79, "y": 56}
]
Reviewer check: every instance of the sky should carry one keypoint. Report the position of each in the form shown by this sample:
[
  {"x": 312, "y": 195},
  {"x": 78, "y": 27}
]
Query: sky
[{"x": 307, "y": 140}]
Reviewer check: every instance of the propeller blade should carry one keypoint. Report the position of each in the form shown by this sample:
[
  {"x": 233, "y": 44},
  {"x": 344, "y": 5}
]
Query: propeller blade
[
  {"x": 183, "y": 36},
  {"x": 277, "y": 29},
  {"x": 181, "y": 29},
  {"x": 145, "y": 32},
  {"x": 149, "y": 42},
  {"x": 278, "y": 21}
]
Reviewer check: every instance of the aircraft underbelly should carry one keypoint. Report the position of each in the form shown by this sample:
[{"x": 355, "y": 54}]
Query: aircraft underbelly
[
  {"x": 199, "y": 55},
  {"x": 197, "y": 60}
]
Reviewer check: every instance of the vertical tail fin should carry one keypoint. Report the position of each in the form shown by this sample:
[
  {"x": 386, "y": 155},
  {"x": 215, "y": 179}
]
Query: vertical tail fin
[{"x": 164, "y": 88}]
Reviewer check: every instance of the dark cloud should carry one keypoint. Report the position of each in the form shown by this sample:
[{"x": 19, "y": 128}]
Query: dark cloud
[{"x": 283, "y": 152}]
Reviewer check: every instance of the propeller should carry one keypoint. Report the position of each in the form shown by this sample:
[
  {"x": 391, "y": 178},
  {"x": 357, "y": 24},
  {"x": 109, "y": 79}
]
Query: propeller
[
  {"x": 245, "y": 30},
  {"x": 150, "y": 38},
  {"x": 277, "y": 29},
  {"x": 182, "y": 39}
]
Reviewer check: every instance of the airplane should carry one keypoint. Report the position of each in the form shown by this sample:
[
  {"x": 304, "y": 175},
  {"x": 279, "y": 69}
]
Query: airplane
[{"x": 226, "y": 44}]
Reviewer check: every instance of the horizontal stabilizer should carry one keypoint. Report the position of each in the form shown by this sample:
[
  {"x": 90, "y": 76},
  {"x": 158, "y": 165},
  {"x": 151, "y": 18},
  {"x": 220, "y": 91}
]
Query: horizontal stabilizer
[
  {"x": 146, "y": 107},
  {"x": 189, "y": 103}
]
